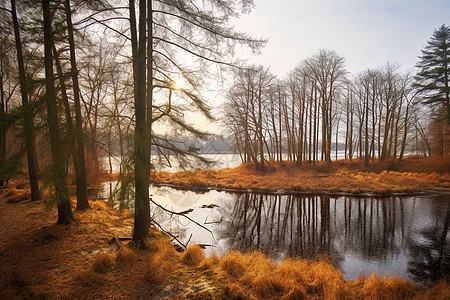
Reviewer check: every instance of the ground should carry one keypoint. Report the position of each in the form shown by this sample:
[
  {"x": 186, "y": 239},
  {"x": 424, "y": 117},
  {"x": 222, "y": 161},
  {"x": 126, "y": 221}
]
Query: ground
[{"x": 90, "y": 259}]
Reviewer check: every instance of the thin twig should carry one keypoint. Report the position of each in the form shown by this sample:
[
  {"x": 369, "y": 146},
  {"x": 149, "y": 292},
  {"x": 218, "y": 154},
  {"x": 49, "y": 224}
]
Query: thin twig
[
  {"x": 174, "y": 237},
  {"x": 181, "y": 214}
]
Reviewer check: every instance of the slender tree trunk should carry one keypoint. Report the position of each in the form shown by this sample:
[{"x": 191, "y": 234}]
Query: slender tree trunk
[
  {"x": 316, "y": 127},
  {"x": 2, "y": 128},
  {"x": 337, "y": 134},
  {"x": 301, "y": 123},
  {"x": 405, "y": 132},
  {"x": 366, "y": 142},
  {"x": 28, "y": 117},
  {"x": 384, "y": 148},
  {"x": 280, "y": 127},
  {"x": 59, "y": 175},
  {"x": 65, "y": 99},
  {"x": 350, "y": 142},
  {"x": 149, "y": 87},
  {"x": 82, "y": 200},
  {"x": 379, "y": 131},
  {"x": 310, "y": 124},
  {"x": 330, "y": 120},
  {"x": 260, "y": 121},
  {"x": 142, "y": 165}
]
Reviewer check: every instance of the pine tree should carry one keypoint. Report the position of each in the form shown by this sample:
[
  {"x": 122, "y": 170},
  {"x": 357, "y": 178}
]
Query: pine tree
[{"x": 434, "y": 68}]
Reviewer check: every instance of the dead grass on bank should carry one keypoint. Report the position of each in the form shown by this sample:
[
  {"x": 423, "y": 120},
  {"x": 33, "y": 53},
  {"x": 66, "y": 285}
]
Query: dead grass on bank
[
  {"x": 252, "y": 275},
  {"x": 412, "y": 174}
]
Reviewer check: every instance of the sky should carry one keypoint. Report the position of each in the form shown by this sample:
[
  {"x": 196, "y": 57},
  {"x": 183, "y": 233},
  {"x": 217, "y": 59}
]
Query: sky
[{"x": 367, "y": 33}]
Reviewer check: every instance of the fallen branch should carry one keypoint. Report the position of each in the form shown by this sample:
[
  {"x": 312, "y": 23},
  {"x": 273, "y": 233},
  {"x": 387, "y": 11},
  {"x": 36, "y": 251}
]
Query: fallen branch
[
  {"x": 183, "y": 213},
  {"x": 167, "y": 232}
]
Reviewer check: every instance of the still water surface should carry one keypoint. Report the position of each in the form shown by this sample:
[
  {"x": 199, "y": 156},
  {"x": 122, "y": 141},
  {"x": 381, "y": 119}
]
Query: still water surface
[{"x": 407, "y": 237}]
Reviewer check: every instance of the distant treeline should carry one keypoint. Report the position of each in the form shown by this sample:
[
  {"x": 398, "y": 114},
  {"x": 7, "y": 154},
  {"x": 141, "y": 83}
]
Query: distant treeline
[{"x": 374, "y": 114}]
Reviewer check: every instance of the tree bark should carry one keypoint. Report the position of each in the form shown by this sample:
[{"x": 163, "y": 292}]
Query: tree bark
[
  {"x": 82, "y": 200},
  {"x": 58, "y": 176},
  {"x": 2, "y": 129},
  {"x": 28, "y": 117},
  {"x": 142, "y": 165}
]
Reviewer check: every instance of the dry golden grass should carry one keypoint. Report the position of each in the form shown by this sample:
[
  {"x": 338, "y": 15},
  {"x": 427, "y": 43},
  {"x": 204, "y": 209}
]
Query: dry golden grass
[
  {"x": 162, "y": 261},
  {"x": 125, "y": 255},
  {"x": 99, "y": 205},
  {"x": 252, "y": 275},
  {"x": 101, "y": 263},
  {"x": 441, "y": 290},
  {"x": 387, "y": 288},
  {"x": 193, "y": 256},
  {"x": 159, "y": 270},
  {"x": 235, "y": 291},
  {"x": 209, "y": 262},
  {"x": 410, "y": 175}
]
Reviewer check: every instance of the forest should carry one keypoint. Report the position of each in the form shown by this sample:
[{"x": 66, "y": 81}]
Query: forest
[{"x": 91, "y": 84}]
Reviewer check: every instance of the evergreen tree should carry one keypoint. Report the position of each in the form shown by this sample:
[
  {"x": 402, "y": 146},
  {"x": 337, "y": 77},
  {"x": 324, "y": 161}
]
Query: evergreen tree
[{"x": 434, "y": 67}]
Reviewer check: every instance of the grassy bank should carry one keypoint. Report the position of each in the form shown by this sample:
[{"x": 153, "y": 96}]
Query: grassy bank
[
  {"x": 41, "y": 260},
  {"x": 407, "y": 176}
]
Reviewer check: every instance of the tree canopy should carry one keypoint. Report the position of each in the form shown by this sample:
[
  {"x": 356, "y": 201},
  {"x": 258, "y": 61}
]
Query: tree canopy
[{"x": 432, "y": 78}]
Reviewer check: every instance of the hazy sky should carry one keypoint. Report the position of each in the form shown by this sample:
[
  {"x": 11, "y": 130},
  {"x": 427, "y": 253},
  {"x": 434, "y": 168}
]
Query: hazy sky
[{"x": 367, "y": 33}]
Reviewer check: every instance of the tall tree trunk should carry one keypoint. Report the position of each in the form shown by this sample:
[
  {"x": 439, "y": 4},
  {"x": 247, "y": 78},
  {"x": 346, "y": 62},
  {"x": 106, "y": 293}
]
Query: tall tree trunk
[
  {"x": 280, "y": 128},
  {"x": 149, "y": 90},
  {"x": 261, "y": 137},
  {"x": 65, "y": 100},
  {"x": 28, "y": 117},
  {"x": 142, "y": 166},
  {"x": 310, "y": 123},
  {"x": 2, "y": 129},
  {"x": 350, "y": 142},
  {"x": 366, "y": 142},
  {"x": 405, "y": 132},
  {"x": 316, "y": 129},
  {"x": 330, "y": 121},
  {"x": 58, "y": 175},
  {"x": 82, "y": 200}
]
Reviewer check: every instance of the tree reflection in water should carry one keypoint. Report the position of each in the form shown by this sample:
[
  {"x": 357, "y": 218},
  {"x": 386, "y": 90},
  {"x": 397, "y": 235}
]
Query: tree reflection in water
[
  {"x": 380, "y": 230},
  {"x": 430, "y": 249}
]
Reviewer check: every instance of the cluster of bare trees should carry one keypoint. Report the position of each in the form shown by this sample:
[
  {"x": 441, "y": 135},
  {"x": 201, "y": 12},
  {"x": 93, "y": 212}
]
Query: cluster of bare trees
[{"x": 319, "y": 107}]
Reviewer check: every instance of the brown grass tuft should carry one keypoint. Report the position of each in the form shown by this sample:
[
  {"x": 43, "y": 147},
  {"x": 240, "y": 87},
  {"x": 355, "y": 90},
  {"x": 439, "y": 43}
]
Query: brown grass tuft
[
  {"x": 209, "y": 263},
  {"x": 101, "y": 263},
  {"x": 125, "y": 255},
  {"x": 161, "y": 244},
  {"x": 298, "y": 292},
  {"x": 159, "y": 269},
  {"x": 265, "y": 283},
  {"x": 440, "y": 290},
  {"x": 389, "y": 288},
  {"x": 98, "y": 205},
  {"x": 233, "y": 264},
  {"x": 162, "y": 261},
  {"x": 193, "y": 256},
  {"x": 236, "y": 292}
]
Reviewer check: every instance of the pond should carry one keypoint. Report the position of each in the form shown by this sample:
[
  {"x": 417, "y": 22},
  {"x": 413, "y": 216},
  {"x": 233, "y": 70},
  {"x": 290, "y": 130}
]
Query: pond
[{"x": 407, "y": 237}]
